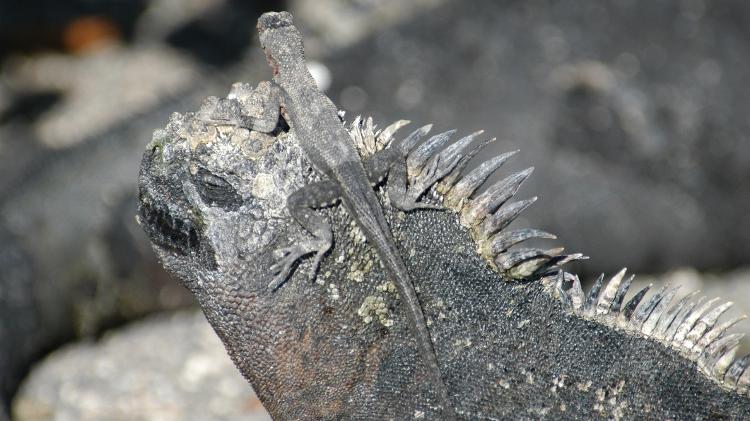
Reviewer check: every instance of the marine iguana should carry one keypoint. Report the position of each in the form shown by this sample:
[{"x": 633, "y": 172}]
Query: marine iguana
[{"x": 515, "y": 335}]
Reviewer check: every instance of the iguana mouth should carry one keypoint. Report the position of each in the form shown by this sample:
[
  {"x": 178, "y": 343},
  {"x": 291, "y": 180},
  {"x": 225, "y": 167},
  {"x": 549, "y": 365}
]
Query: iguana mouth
[{"x": 176, "y": 234}]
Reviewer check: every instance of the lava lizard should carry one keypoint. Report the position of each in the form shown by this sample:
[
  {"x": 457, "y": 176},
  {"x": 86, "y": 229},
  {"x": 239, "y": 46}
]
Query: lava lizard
[{"x": 326, "y": 143}]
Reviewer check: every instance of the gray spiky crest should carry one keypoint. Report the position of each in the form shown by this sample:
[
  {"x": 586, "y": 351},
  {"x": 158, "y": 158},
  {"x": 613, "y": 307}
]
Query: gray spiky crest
[{"x": 690, "y": 327}]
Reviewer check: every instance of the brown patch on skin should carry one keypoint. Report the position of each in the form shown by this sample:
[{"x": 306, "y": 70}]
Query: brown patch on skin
[
  {"x": 373, "y": 357},
  {"x": 315, "y": 369}
]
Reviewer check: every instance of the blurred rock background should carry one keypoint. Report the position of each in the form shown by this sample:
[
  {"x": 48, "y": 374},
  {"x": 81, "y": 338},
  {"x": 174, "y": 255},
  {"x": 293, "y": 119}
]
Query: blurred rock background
[{"x": 633, "y": 112}]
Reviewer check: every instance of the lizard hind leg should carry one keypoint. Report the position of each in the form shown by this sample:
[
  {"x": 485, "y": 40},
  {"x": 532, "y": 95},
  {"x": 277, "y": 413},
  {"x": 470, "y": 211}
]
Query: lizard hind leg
[
  {"x": 303, "y": 205},
  {"x": 271, "y": 119},
  {"x": 390, "y": 163}
]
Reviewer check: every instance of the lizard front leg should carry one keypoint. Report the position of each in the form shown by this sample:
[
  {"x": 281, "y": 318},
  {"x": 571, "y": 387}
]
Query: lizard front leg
[
  {"x": 272, "y": 96},
  {"x": 263, "y": 114},
  {"x": 303, "y": 205}
]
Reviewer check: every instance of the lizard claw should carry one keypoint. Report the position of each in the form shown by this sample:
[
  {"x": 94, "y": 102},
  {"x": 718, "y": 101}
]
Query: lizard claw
[
  {"x": 316, "y": 263},
  {"x": 287, "y": 256}
]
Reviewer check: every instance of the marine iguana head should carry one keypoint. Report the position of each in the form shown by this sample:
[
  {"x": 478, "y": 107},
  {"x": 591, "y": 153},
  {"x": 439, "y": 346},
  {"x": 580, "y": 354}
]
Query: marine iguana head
[{"x": 199, "y": 178}]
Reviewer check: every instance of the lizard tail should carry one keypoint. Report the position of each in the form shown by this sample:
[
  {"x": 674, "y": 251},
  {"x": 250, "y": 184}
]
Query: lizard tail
[
  {"x": 396, "y": 269},
  {"x": 364, "y": 206}
]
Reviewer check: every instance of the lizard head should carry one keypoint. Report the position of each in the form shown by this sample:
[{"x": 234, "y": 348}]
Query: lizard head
[
  {"x": 208, "y": 192},
  {"x": 280, "y": 40}
]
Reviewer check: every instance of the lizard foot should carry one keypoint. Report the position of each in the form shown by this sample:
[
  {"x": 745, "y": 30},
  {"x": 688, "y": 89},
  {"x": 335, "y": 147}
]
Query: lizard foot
[{"x": 288, "y": 256}]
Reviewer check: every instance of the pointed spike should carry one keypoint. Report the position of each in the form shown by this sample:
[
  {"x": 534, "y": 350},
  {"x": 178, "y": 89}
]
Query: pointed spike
[
  {"x": 593, "y": 295},
  {"x": 503, "y": 190},
  {"x": 458, "y": 146},
  {"x": 645, "y": 308},
  {"x": 452, "y": 178},
  {"x": 354, "y": 130},
  {"x": 416, "y": 160},
  {"x": 649, "y": 325},
  {"x": 711, "y": 318},
  {"x": 576, "y": 293},
  {"x": 407, "y": 144},
  {"x": 505, "y": 261},
  {"x": 711, "y": 336},
  {"x": 629, "y": 309},
  {"x": 564, "y": 298},
  {"x": 725, "y": 360},
  {"x": 438, "y": 166},
  {"x": 504, "y": 240},
  {"x": 512, "y": 184},
  {"x": 554, "y": 252},
  {"x": 504, "y": 217},
  {"x": 385, "y": 137},
  {"x": 721, "y": 343},
  {"x": 732, "y": 377},
  {"x": 450, "y": 157},
  {"x": 528, "y": 267},
  {"x": 679, "y": 318},
  {"x": 471, "y": 182},
  {"x": 557, "y": 261},
  {"x": 743, "y": 383},
  {"x": 608, "y": 295},
  {"x": 704, "y": 324},
  {"x": 666, "y": 321},
  {"x": 705, "y": 357},
  {"x": 620, "y": 296},
  {"x": 690, "y": 320},
  {"x": 711, "y": 359}
]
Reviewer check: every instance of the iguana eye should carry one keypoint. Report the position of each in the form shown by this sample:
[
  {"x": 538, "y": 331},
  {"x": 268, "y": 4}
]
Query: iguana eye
[{"x": 216, "y": 191}]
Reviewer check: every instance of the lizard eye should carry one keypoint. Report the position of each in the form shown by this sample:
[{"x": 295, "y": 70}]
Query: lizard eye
[{"x": 216, "y": 191}]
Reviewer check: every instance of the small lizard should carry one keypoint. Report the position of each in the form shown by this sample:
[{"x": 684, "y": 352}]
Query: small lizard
[{"x": 326, "y": 143}]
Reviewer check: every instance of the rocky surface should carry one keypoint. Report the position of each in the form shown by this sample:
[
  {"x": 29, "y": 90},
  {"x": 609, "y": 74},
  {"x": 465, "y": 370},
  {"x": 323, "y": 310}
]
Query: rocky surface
[{"x": 168, "y": 367}]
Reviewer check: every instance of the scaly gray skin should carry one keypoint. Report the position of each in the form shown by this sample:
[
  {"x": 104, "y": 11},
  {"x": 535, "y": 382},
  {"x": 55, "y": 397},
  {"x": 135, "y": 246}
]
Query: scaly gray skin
[
  {"x": 317, "y": 126},
  {"x": 213, "y": 201}
]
